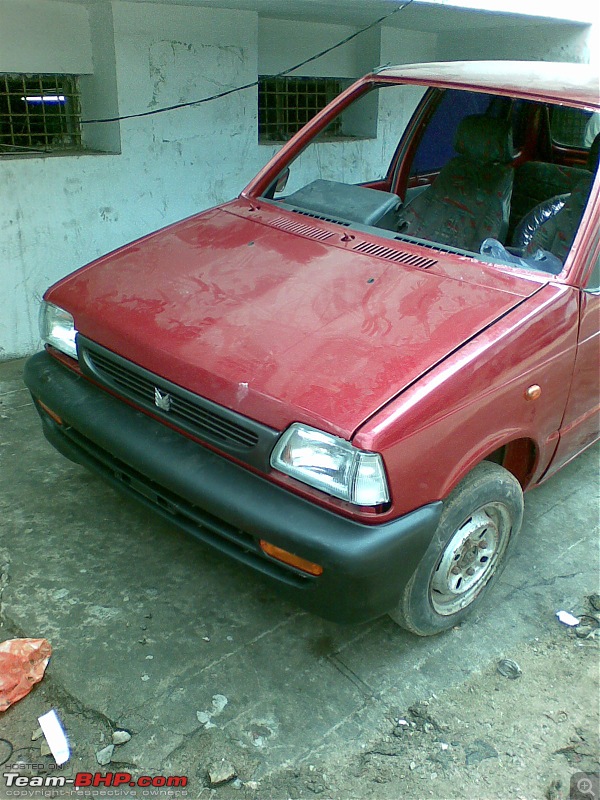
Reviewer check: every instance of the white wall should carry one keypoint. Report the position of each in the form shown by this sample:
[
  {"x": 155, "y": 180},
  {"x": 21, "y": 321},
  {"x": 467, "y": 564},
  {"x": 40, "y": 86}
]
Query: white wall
[
  {"x": 57, "y": 213},
  {"x": 557, "y": 42},
  {"x": 44, "y": 37},
  {"x": 282, "y": 44}
]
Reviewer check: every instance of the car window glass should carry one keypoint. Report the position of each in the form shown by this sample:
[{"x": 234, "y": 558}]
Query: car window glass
[
  {"x": 369, "y": 131},
  {"x": 593, "y": 282},
  {"x": 436, "y": 147},
  {"x": 573, "y": 127}
]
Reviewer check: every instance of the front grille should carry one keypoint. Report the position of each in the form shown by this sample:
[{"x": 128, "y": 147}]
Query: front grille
[{"x": 231, "y": 432}]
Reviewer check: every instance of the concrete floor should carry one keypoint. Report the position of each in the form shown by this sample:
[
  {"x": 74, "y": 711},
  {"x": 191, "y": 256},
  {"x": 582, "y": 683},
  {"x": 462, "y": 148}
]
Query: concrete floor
[{"x": 149, "y": 628}]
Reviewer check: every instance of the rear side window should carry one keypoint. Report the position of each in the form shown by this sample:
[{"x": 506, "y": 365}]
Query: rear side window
[{"x": 573, "y": 127}]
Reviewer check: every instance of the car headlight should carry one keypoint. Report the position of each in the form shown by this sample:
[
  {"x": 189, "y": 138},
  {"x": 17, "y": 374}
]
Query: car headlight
[
  {"x": 57, "y": 328},
  {"x": 332, "y": 465}
]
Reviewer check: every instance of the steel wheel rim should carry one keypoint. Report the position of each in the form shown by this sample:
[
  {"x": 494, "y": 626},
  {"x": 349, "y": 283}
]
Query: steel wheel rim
[{"x": 469, "y": 559}]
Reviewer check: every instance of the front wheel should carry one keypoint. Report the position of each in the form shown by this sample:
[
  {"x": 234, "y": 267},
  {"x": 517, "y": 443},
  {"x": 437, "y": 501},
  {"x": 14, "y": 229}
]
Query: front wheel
[{"x": 477, "y": 530}]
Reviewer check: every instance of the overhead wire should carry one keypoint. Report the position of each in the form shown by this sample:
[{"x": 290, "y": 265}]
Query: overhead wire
[{"x": 251, "y": 85}]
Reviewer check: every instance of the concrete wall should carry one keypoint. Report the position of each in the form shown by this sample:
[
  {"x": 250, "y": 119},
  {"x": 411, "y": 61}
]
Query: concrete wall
[
  {"x": 559, "y": 42},
  {"x": 59, "y": 212},
  {"x": 44, "y": 37},
  {"x": 278, "y": 50}
]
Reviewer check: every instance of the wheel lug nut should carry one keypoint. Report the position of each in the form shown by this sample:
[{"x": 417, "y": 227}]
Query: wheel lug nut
[
  {"x": 470, "y": 571},
  {"x": 455, "y": 571},
  {"x": 482, "y": 544}
]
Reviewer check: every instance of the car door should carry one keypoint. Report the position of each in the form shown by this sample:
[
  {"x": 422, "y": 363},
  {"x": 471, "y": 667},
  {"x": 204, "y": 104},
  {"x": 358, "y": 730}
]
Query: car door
[{"x": 581, "y": 422}]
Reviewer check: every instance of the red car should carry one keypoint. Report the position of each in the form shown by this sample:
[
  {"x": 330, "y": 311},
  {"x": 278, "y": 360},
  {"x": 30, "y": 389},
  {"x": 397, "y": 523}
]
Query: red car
[{"x": 347, "y": 377}]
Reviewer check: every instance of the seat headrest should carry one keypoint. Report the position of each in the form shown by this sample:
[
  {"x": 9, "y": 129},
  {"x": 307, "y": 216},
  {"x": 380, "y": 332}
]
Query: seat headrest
[
  {"x": 485, "y": 139},
  {"x": 594, "y": 154}
]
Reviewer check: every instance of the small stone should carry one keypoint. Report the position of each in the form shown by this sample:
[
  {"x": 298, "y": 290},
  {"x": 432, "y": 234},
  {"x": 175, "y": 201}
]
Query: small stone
[
  {"x": 554, "y": 791},
  {"x": 44, "y": 749},
  {"x": 221, "y": 772},
  {"x": 37, "y": 734},
  {"x": 252, "y": 785},
  {"x": 509, "y": 669},
  {"x": 149, "y": 658},
  {"x": 203, "y": 717},
  {"x": 104, "y": 756},
  {"x": 594, "y": 601},
  {"x": 412, "y": 765},
  {"x": 433, "y": 776},
  {"x": 444, "y": 746},
  {"x": 479, "y": 751},
  {"x": 219, "y": 702},
  {"x": 230, "y": 638},
  {"x": 206, "y": 638},
  {"x": 120, "y": 737},
  {"x": 145, "y": 677}
]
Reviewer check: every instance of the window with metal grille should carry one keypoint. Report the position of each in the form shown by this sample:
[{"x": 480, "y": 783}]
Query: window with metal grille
[
  {"x": 39, "y": 113},
  {"x": 286, "y": 104}
]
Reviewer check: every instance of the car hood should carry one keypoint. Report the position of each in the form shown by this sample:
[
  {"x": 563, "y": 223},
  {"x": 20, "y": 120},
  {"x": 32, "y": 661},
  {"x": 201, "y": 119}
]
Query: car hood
[{"x": 276, "y": 324}]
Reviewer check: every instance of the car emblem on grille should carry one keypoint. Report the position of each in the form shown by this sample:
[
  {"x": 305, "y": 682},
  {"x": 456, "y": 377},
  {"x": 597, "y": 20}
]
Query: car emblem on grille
[{"x": 162, "y": 401}]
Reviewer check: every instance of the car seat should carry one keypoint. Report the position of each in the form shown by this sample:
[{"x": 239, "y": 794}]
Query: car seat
[
  {"x": 552, "y": 225},
  {"x": 470, "y": 199}
]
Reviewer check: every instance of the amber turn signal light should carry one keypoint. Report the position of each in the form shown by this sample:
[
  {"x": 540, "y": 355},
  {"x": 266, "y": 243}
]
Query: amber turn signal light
[
  {"x": 50, "y": 413},
  {"x": 289, "y": 558},
  {"x": 533, "y": 392}
]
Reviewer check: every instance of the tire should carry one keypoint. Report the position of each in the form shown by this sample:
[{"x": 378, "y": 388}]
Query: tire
[{"x": 478, "y": 527}]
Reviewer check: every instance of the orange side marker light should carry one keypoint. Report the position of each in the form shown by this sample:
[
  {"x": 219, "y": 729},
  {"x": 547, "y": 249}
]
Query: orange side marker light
[
  {"x": 290, "y": 559},
  {"x": 533, "y": 392}
]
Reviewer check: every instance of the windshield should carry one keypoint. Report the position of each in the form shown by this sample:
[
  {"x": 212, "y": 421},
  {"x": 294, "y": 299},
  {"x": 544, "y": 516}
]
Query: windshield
[{"x": 480, "y": 174}]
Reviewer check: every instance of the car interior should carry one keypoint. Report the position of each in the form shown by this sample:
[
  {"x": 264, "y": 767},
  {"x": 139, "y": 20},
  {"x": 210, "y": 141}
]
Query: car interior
[{"x": 502, "y": 178}]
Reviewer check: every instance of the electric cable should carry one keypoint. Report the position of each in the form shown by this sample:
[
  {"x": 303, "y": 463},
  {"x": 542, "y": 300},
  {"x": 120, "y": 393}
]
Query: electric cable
[{"x": 227, "y": 92}]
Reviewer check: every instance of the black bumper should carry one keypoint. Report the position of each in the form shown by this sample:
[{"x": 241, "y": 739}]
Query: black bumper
[{"x": 228, "y": 507}]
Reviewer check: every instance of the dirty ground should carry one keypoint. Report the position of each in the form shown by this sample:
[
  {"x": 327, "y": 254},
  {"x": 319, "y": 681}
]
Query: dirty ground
[{"x": 201, "y": 671}]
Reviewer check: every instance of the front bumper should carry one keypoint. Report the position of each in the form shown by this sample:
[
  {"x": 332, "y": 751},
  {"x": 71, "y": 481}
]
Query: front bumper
[{"x": 365, "y": 567}]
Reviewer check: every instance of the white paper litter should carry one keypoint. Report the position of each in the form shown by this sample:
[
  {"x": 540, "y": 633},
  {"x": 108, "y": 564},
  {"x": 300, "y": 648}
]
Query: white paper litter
[
  {"x": 55, "y": 736},
  {"x": 567, "y": 619}
]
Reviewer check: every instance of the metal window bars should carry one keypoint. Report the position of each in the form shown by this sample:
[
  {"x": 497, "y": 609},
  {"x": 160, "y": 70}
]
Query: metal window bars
[
  {"x": 286, "y": 103},
  {"x": 39, "y": 113}
]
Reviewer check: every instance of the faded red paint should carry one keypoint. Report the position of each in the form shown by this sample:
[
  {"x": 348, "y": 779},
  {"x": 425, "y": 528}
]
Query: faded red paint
[{"x": 427, "y": 366}]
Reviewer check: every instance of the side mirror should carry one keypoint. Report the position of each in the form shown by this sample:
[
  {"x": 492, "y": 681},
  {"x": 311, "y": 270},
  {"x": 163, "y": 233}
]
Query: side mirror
[{"x": 282, "y": 180}]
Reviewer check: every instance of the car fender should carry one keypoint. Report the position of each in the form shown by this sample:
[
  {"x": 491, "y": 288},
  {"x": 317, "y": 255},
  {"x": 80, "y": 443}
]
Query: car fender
[{"x": 479, "y": 400}]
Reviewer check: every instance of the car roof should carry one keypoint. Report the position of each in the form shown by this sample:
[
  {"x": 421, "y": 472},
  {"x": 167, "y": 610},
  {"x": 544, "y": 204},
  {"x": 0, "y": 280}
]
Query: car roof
[{"x": 545, "y": 80}]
